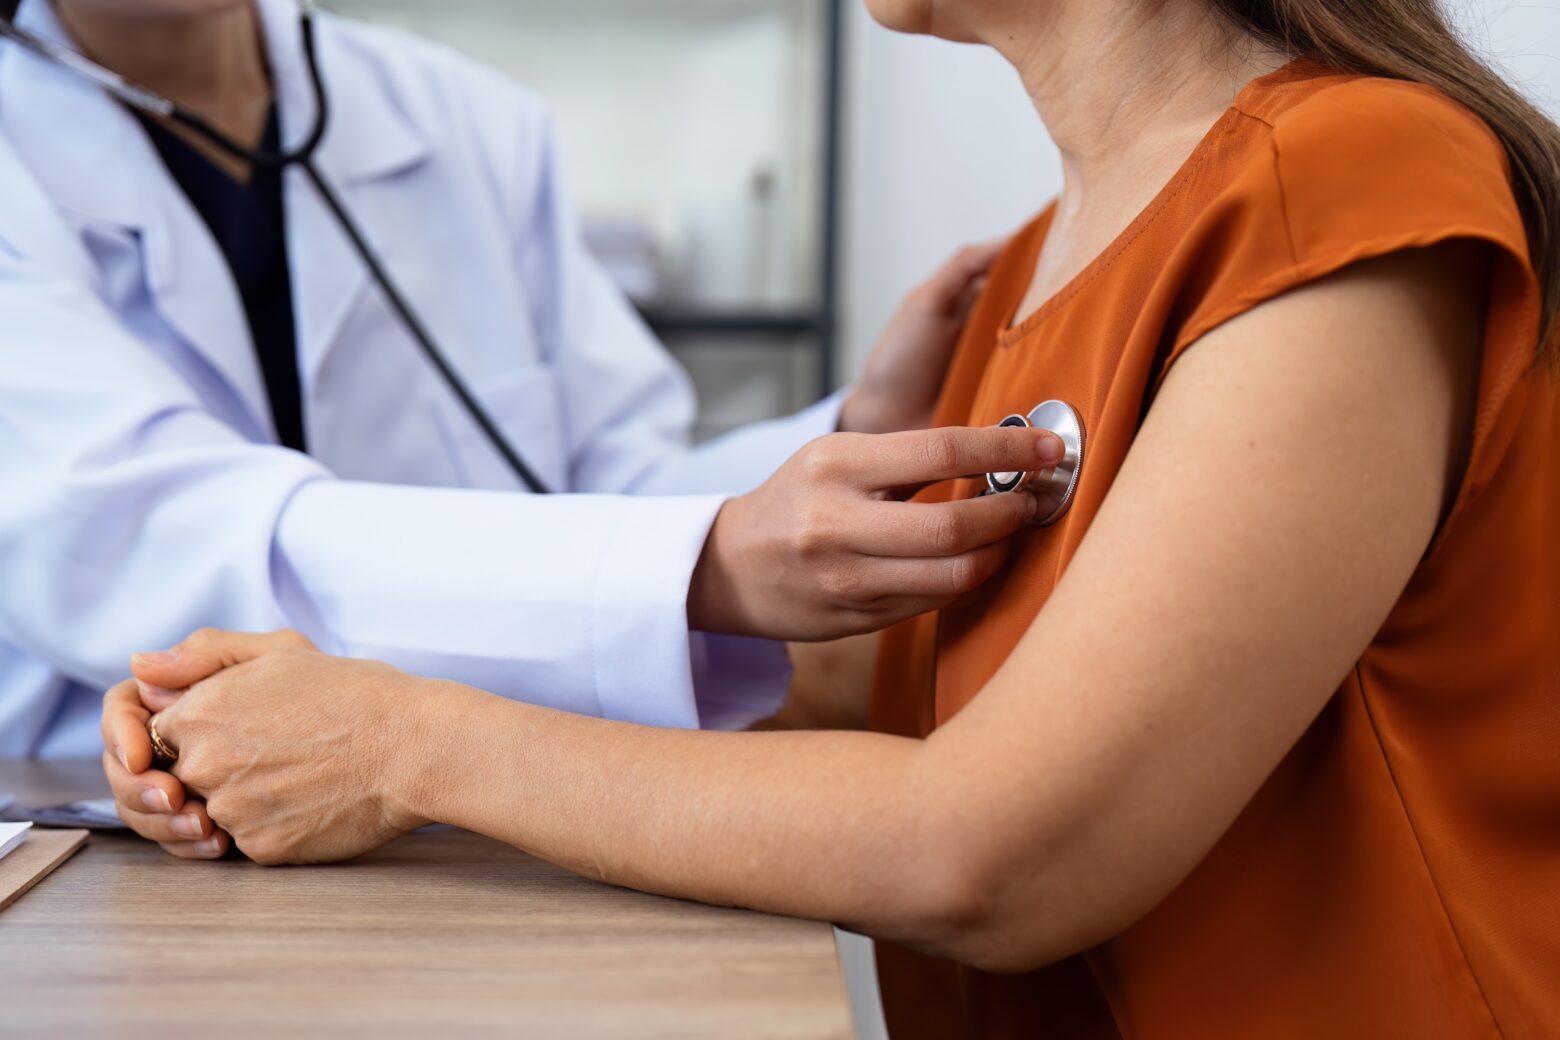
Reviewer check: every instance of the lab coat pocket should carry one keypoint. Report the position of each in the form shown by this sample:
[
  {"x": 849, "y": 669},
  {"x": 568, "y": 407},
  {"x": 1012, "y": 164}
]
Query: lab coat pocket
[{"x": 524, "y": 404}]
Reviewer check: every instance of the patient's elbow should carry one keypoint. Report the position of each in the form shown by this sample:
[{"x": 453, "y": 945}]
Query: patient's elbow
[
  {"x": 996, "y": 914},
  {"x": 991, "y": 934}
]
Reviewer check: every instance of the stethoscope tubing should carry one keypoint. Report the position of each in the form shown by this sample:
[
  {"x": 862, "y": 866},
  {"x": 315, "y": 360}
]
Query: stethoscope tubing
[{"x": 301, "y": 156}]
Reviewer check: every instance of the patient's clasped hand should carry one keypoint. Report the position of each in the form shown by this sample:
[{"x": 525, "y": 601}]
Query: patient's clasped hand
[{"x": 294, "y": 774}]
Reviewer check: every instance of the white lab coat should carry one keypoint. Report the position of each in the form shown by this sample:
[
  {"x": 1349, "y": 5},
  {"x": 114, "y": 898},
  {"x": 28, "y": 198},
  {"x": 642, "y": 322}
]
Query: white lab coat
[{"x": 142, "y": 493}]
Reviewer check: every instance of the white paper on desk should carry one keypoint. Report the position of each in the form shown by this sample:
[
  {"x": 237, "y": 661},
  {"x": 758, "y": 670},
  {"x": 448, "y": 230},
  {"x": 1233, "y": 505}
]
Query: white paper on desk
[{"x": 12, "y": 835}]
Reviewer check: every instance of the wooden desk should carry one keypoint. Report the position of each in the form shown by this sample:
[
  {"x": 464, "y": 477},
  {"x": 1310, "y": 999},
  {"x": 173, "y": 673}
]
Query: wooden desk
[{"x": 440, "y": 934}]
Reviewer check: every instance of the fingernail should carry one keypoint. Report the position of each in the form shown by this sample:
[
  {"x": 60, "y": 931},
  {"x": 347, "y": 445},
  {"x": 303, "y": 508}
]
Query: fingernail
[
  {"x": 1032, "y": 505},
  {"x": 156, "y": 800},
  {"x": 188, "y": 826},
  {"x": 1051, "y": 449},
  {"x": 155, "y": 657},
  {"x": 154, "y": 692},
  {"x": 124, "y": 759},
  {"x": 209, "y": 847}
]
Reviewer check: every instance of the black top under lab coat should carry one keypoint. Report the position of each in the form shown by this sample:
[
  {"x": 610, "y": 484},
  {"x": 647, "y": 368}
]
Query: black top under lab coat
[{"x": 249, "y": 224}]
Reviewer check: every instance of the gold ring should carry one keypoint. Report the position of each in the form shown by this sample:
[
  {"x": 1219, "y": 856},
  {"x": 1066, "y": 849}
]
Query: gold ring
[{"x": 162, "y": 755}]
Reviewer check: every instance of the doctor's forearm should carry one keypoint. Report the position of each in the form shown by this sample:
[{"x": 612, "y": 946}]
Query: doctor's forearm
[{"x": 822, "y": 825}]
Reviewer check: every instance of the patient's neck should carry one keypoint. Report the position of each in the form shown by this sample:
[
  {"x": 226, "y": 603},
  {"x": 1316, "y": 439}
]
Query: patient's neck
[
  {"x": 1125, "y": 89},
  {"x": 1110, "y": 78},
  {"x": 211, "y": 62}
]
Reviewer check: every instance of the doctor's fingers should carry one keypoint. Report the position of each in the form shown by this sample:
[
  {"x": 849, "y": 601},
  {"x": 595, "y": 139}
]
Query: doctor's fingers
[
  {"x": 967, "y": 301},
  {"x": 153, "y": 791},
  {"x": 207, "y": 652},
  {"x": 929, "y": 529},
  {"x": 899, "y": 588},
  {"x": 951, "y": 284},
  {"x": 905, "y": 461}
]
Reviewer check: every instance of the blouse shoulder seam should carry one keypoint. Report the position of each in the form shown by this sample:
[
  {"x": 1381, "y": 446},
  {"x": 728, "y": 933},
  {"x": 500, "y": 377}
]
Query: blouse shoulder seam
[
  {"x": 1257, "y": 117},
  {"x": 1283, "y": 201}
]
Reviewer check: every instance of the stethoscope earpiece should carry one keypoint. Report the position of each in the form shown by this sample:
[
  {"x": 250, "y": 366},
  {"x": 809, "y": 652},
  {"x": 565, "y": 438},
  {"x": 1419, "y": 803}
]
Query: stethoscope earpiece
[{"x": 1053, "y": 487}]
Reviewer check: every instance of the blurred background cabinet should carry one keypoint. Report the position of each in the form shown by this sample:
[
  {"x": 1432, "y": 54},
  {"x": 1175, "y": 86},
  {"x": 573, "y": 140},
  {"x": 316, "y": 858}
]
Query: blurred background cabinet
[{"x": 701, "y": 148}]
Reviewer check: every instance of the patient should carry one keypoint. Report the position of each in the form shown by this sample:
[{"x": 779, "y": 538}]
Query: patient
[{"x": 1259, "y": 738}]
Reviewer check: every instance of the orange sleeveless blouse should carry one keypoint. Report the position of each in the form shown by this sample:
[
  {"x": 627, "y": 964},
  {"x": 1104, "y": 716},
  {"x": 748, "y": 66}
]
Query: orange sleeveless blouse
[{"x": 1399, "y": 873}]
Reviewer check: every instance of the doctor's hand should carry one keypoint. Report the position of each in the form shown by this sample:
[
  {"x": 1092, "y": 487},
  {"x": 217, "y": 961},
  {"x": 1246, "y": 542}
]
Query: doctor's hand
[
  {"x": 900, "y": 383},
  {"x": 829, "y": 546}
]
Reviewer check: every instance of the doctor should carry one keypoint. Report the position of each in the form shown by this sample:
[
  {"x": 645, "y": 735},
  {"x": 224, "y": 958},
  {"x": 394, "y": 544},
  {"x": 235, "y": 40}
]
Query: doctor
[{"x": 211, "y": 416}]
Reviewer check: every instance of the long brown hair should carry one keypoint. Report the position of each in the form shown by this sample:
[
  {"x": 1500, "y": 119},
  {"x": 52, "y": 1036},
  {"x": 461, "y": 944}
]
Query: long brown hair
[{"x": 1412, "y": 40}]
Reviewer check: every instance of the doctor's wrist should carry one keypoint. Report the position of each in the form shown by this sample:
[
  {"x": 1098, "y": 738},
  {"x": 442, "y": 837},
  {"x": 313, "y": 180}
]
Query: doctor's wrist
[{"x": 715, "y": 601}]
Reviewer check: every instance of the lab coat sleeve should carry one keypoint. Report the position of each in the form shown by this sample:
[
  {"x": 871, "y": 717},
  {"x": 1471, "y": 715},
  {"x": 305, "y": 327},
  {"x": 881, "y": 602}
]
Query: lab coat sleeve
[
  {"x": 131, "y": 517},
  {"x": 628, "y": 407}
]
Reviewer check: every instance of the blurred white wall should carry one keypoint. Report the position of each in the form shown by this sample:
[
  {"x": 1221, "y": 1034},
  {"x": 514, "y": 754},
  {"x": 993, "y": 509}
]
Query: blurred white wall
[
  {"x": 941, "y": 148},
  {"x": 1521, "y": 38}
]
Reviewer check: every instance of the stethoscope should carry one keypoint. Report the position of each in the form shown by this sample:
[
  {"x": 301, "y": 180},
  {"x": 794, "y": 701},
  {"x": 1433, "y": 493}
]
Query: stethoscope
[
  {"x": 303, "y": 157},
  {"x": 1053, "y": 487}
]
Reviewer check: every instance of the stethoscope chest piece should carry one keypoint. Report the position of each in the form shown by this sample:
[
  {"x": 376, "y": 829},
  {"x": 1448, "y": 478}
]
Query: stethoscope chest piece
[{"x": 1053, "y": 487}]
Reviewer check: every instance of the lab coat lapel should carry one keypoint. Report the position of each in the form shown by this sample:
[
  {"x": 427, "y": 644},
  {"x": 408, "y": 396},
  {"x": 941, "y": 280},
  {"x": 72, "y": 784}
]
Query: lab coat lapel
[
  {"x": 103, "y": 173},
  {"x": 367, "y": 143},
  {"x": 193, "y": 288}
]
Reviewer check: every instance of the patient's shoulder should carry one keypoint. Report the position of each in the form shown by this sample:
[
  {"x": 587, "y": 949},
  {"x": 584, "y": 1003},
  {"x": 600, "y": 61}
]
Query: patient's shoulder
[
  {"x": 1333, "y": 171},
  {"x": 1380, "y": 117},
  {"x": 1367, "y": 158}
]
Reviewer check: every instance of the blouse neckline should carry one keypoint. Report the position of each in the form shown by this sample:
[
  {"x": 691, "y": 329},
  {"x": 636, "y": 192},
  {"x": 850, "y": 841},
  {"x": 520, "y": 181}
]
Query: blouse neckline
[{"x": 1010, "y": 333}]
